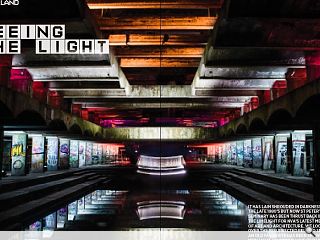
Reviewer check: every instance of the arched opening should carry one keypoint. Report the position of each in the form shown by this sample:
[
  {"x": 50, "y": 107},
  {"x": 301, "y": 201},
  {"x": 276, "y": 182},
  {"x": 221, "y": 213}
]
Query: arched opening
[
  {"x": 30, "y": 118},
  {"x": 57, "y": 125},
  {"x": 230, "y": 133},
  {"x": 241, "y": 129},
  {"x": 98, "y": 135},
  {"x": 308, "y": 111},
  {"x": 88, "y": 133},
  {"x": 256, "y": 125},
  {"x": 280, "y": 119},
  {"x": 6, "y": 115},
  {"x": 75, "y": 129}
]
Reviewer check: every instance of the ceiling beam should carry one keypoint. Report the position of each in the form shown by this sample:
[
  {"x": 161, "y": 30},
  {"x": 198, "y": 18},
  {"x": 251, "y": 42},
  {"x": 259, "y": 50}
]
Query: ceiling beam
[
  {"x": 159, "y": 62},
  {"x": 156, "y": 23},
  {"x": 246, "y": 72},
  {"x": 208, "y": 105},
  {"x": 82, "y": 85},
  {"x": 154, "y": 4},
  {"x": 92, "y": 93},
  {"x": 186, "y": 99},
  {"x": 175, "y": 52},
  {"x": 65, "y": 80},
  {"x": 227, "y": 92},
  {"x": 158, "y": 40},
  {"x": 70, "y": 72},
  {"x": 253, "y": 84}
]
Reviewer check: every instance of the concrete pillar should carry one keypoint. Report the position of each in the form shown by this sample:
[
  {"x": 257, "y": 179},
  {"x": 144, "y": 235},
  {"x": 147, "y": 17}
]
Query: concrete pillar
[
  {"x": 52, "y": 153},
  {"x": 299, "y": 165},
  {"x": 257, "y": 153},
  {"x": 254, "y": 103},
  {"x": 1, "y": 149},
  {"x": 239, "y": 153},
  {"x": 64, "y": 153},
  {"x": 89, "y": 153},
  {"x": 74, "y": 154},
  {"x": 296, "y": 77},
  {"x": 281, "y": 147},
  {"x": 313, "y": 65},
  {"x": 266, "y": 97},
  {"x": 316, "y": 154},
  {"x": 18, "y": 154},
  {"x": 37, "y": 158},
  {"x": 76, "y": 109},
  {"x": 279, "y": 89},
  {"x": 82, "y": 153},
  {"x": 5, "y": 68}
]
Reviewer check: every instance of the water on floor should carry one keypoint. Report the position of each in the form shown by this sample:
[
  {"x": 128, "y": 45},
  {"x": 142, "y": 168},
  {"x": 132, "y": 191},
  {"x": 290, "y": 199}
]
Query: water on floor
[{"x": 108, "y": 209}]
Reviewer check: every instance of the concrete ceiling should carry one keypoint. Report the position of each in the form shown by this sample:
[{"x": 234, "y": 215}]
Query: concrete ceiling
[{"x": 207, "y": 58}]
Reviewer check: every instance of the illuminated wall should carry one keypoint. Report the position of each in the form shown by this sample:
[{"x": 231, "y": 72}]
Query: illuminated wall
[
  {"x": 281, "y": 153},
  {"x": 268, "y": 153},
  {"x": 257, "y": 152},
  {"x": 89, "y": 153},
  {"x": 52, "y": 153},
  {"x": 239, "y": 153},
  {"x": 18, "y": 154},
  {"x": 64, "y": 151},
  {"x": 74, "y": 154},
  {"x": 233, "y": 153},
  {"x": 299, "y": 154},
  {"x": 37, "y": 159},
  {"x": 247, "y": 153},
  {"x": 82, "y": 153}
]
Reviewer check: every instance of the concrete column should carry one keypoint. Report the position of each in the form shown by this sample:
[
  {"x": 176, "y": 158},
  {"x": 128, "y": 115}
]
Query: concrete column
[
  {"x": 76, "y": 109},
  {"x": 64, "y": 153},
  {"x": 266, "y": 97},
  {"x": 313, "y": 66},
  {"x": 1, "y": 149},
  {"x": 296, "y": 77},
  {"x": 316, "y": 155},
  {"x": 5, "y": 67},
  {"x": 37, "y": 159},
  {"x": 74, "y": 154}
]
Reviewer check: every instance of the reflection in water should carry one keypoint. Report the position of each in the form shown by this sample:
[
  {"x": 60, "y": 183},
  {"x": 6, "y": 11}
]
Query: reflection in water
[
  {"x": 122, "y": 210},
  {"x": 161, "y": 165},
  {"x": 160, "y": 209}
]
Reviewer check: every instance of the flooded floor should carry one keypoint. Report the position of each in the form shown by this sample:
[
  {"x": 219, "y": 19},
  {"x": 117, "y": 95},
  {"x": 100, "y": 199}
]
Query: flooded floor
[{"x": 138, "y": 202}]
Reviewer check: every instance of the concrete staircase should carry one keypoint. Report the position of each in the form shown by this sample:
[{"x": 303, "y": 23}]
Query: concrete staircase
[
  {"x": 254, "y": 187},
  {"x": 25, "y": 201}
]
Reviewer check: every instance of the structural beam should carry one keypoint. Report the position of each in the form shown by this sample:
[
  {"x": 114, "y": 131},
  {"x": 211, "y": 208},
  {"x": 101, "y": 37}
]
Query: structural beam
[
  {"x": 247, "y": 72},
  {"x": 154, "y": 4},
  {"x": 71, "y": 72},
  {"x": 250, "y": 84},
  {"x": 227, "y": 92},
  {"x": 208, "y": 105},
  {"x": 92, "y": 93},
  {"x": 157, "y": 23},
  {"x": 56, "y": 86},
  {"x": 158, "y": 40},
  {"x": 159, "y": 62},
  {"x": 157, "y": 51}
]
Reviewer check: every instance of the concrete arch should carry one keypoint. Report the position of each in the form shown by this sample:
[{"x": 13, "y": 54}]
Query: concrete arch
[
  {"x": 230, "y": 132},
  {"x": 280, "y": 117},
  {"x": 57, "y": 125},
  {"x": 6, "y": 116},
  {"x": 257, "y": 124},
  {"x": 308, "y": 109},
  {"x": 241, "y": 129},
  {"x": 76, "y": 129},
  {"x": 30, "y": 118},
  {"x": 88, "y": 133},
  {"x": 98, "y": 135}
]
